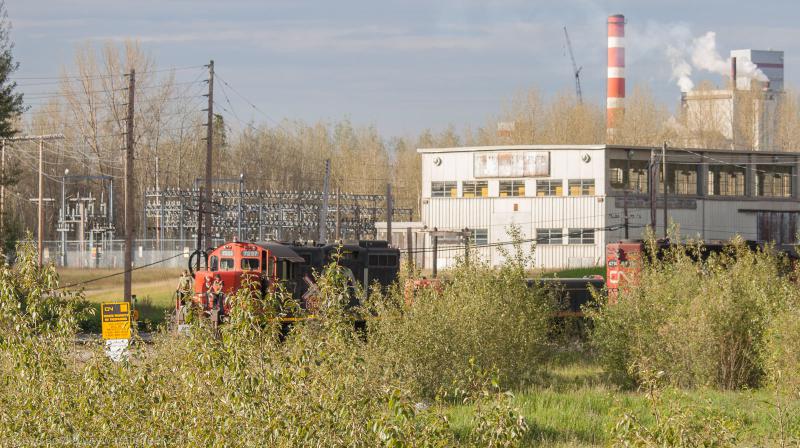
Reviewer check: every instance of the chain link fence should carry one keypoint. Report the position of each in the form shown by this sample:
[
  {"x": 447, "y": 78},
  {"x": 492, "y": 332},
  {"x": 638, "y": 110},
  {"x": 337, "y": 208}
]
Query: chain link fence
[{"x": 110, "y": 253}]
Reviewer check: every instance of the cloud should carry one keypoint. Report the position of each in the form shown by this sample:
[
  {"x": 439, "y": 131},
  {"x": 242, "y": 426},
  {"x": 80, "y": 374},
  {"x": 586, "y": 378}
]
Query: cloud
[
  {"x": 293, "y": 37},
  {"x": 47, "y": 24}
]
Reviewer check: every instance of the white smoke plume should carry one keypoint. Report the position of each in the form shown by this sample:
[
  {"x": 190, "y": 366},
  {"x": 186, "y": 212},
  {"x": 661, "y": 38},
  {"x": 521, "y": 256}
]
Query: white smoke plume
[
  {"x": 747, "y": 69},
  {"x": 681, "y": 70},
  {"x": 687, "y": 53},
  {"x": 704, "y": 56}
]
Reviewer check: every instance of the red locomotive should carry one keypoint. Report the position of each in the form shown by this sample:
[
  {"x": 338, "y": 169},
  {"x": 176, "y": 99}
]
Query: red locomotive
[
  {"x": 623, "y": 263},
  {"x": 294, "y": 266}
]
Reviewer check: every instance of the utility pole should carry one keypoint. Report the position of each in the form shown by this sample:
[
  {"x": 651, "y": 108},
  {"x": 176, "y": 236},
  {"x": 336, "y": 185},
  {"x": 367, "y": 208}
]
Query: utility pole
[
  {"x": 160, "y": 216},
  {"x": 63, "y": 214},
  {"x": 389, "y": 210},
  {"x": 40, "y": 206},
  {"x": 129, "y": 212},
  {"x": 626, "y": 181},
  {"x": 323, "y": 210},
  {"x": 666, "y": 185},
  {"x": 40, "y": 199},
  {"x": 409, "y": 251},
  {"x": 435, "y": 265},
  {"x": 199, "y": 225},
  {"x": 338, "y": 215},
  {"x": 652, "y": 170},
  {"x": 357, "y": 223},
  {"x": 209, "y": 148},
  {"x": 465, "y": 235},
  {"x": 2, "y": 190},
  {"x": 239, "y": 214}
]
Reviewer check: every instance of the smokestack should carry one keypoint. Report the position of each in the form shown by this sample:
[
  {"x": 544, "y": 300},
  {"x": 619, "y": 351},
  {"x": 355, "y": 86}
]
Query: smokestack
[
  {"x": 615, "y": 93},
  {"x": 733, "y": 73}
]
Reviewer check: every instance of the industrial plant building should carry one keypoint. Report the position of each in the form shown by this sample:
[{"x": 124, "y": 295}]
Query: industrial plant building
[
  {"x": 745, "y": 115},
  {"x": 571, "y": 200}
]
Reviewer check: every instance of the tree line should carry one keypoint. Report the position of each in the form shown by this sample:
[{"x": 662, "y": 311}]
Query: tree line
[{"x": 88, "y": 106}]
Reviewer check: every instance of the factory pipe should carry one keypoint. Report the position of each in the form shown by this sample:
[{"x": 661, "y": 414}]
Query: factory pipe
[{"x": 615, "y": 93}]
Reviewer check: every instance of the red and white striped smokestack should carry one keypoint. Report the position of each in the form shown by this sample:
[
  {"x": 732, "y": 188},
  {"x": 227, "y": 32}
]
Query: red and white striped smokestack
[{"x": 615, "y": 94}]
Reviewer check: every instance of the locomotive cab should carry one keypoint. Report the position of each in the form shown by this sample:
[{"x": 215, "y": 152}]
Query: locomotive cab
[{"x": 236, "y": 265}]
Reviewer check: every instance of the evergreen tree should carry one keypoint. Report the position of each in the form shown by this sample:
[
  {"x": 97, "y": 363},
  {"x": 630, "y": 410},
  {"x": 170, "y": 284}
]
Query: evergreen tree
[
  {"x": 11, "y": 108},
  {"x": 10, "y": 100}
]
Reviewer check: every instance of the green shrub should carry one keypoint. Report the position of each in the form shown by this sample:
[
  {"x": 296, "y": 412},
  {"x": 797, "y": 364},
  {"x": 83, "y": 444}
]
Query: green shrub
[
  {"x": 782, "y": 354},
  {"x": 497, "y": 423},
  {"x": 701, "y": 322},
  {"x": 245, "y": 383},
  {"x": 486, "y": 315}
]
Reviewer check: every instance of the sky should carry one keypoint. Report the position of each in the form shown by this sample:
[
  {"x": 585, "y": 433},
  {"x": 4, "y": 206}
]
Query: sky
[{"x": 402, "y": 66}]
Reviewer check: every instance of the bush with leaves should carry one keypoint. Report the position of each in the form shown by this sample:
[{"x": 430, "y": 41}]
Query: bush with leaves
[
  {"x": 700, "y": 320},
  {"x": 482, "y": 315},
  {"x": 241, "y": 384},
  {"x": 782, "y": 351}
]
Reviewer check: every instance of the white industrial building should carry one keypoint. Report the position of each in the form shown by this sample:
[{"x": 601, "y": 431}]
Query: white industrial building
[{"x": 570, "y": 199}]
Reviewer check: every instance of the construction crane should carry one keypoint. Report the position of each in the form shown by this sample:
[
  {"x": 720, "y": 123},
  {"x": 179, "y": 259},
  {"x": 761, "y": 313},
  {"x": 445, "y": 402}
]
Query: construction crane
[{"x": 575, "y": 69}]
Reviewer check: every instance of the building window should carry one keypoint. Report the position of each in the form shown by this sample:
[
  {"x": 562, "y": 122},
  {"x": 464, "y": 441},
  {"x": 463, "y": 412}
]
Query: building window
[
  {"x": 512, "y": 188},
  {"x": 581, "y": 187},
  {"x": 552, "y": 187},
  {"x": 475, "y": 189},
  {"x": 636, "y": 175},
  {"x": 479, "y": 237},
  {"x": 549, "y": 236},
  {"x": 773, "y": 181},
  {"x": 581, "y": 236},
  {"x": 681, "y": 179},
  {"x": 443, "y": 189},
  {"x": 726, "y": 180}
]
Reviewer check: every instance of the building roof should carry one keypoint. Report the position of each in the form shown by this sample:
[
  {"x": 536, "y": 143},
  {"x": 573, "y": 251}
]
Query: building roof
[
  {"x": 508, "y": 147},
  {"x": 594, "y": 147}
]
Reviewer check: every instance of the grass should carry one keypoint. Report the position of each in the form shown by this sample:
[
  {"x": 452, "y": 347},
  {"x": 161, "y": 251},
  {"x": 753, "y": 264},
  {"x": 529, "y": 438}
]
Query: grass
[
  {"x": 573, "y": 404},
  {"x": 153, "y": 289}
]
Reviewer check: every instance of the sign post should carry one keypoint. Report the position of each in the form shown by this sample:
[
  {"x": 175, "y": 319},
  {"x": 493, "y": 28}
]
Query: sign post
[{"x": 116, "y": 323}]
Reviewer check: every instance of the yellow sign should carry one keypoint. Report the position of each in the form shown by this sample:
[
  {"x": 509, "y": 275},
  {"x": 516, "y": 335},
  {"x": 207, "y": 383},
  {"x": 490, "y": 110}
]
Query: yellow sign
[{"x": 116, "y": 320}]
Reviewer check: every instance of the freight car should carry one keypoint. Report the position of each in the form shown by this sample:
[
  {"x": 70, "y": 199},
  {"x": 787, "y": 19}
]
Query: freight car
[
  {"x": 291, "y": 265},
  {"x": 624, "y": 259},
  {"x": 573, "y": 293}
]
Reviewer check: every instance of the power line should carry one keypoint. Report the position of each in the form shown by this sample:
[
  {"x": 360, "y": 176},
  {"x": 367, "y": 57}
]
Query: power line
[
  {"x": 459, "y": 247},
  {"x": 72, "y": 285},
  {"x": 108, "y": 92},
  {"x": 250, "y": 103},
  {"x": 121, "y": 75}
]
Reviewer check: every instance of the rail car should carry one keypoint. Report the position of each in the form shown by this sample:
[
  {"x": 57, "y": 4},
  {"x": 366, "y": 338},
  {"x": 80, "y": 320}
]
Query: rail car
[
  {"x": 574, "y": 292},
  {"x": 292, "y": 265},
  {"x": 624, "y": 259}
]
